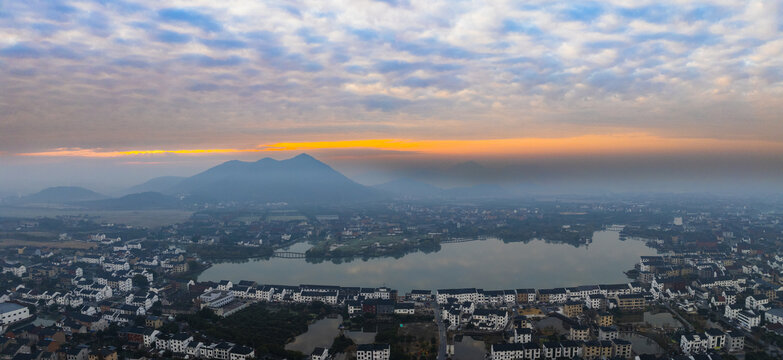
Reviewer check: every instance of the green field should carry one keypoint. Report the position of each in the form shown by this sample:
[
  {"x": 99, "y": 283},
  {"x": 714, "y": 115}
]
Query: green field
[{"x": 148, "y": 218}]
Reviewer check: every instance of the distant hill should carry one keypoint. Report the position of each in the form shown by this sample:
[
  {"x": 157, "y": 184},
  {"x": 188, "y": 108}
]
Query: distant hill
[
  {"x": 159, "y": 184},
  {"x": 410, "y": 188},
  {"x": 478, "y": 191},
  {"x": 301, "y": 179},
  {"x": 61, "y": 195},
  {"x": 140, "y": 201}
]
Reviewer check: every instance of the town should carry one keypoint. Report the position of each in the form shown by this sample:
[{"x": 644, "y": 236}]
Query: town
[{"x": 108, "y": 291}]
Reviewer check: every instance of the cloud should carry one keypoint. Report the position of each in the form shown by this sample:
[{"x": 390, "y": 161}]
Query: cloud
[
  {"x": 20, "y": 51},
  {"x": 203, "y": 87},
  {"x": 398, "y": 68},
  {"x": 131, "y": 62},
  {"x": 208, "y": 61},
  {"x": 384, "y": 102},
  {"x": 172, "y": 37},
  {"x": 224, "y": 44},
  {"x": 191, "y": 17},
  {"x": 585, "y": 12}
]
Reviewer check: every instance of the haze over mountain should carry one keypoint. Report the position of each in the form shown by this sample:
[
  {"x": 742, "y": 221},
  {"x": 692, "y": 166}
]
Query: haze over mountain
[
  {"x": 140, "y": 201},
  {"x": 407, "y": 187},
  {"x": 62, "y": 194},
  {"x": 159, "y": 184},
  {"x": 301, "y": 179}
]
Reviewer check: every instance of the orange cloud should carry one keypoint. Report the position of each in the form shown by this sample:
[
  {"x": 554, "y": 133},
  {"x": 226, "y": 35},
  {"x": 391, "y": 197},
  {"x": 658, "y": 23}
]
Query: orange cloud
[
  {"x": 100, "y": 153},
  {"x": 581, "y": 145}
]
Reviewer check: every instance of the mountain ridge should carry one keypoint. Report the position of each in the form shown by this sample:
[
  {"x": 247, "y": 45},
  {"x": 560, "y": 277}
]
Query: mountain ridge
[{"x": 300, "y": 179}]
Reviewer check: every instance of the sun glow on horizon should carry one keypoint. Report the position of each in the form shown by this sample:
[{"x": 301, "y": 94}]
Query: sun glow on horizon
[{"x": 580, "y": 145}]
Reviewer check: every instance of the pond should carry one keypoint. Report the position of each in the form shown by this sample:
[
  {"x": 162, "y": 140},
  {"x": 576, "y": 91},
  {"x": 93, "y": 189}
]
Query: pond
[
  {"x": 469, "y": 348},
  {"x": 322, "y": 332},
  {"x": 642, "y": 344}
]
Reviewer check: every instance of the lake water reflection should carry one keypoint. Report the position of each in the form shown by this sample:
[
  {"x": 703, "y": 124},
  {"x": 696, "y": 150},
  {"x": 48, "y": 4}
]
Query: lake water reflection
[{"x": 488, "y": 264}]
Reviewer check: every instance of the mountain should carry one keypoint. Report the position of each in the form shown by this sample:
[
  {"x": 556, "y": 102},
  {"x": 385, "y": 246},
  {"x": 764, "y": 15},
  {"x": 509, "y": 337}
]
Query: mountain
[
  {"x": 301, "y": 179},
  {"x": 62, "y": 194},
  {"x": 140, "y": 201},
  {"x": 410, "y": 188},
  {"x": 159, "y": 184}
]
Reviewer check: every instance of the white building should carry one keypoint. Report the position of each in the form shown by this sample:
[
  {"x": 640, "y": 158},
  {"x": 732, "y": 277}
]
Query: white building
[
  {"x": 215, "y": 299},
  {"x": 756, "y": 302},
  {"x": 17, "y": 270},
  {"x": 490, "y": 319},
  {"x": 731, "y": 311},
  {"x": 522, "y": 335},
  {"x": 735, "y": 341},
  {"x": 716, "y": 339},
  {"x": 462, "y": 295},
  {"x": 692, "y": 343},
  {"x": 11, "y": 313},
  {"x": 774, "y": 315},
  {"x": 748, "y": 319},
  {"x": 515, "y": 351},
  {"x": 319, "y": 353},
  {"x": 373, "y": 352},
  {"x": 404, "y": 308},
  {"x": 178, "y": 342}
]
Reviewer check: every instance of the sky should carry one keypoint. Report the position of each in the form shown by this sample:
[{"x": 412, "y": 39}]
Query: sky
[{"x": 111, "y": 93}]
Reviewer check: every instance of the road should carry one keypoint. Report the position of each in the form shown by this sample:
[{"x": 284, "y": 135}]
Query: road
[
  {"x": 676, "y": 314},
  {"x": 441, "y": 332}
]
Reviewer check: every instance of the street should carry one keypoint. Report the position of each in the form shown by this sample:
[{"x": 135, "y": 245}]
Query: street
[{"x": 441, "y": 332}]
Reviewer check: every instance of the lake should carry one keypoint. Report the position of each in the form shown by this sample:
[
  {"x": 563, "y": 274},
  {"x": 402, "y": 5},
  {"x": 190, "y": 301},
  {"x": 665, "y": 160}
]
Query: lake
[{"x": 487, "y": 264}]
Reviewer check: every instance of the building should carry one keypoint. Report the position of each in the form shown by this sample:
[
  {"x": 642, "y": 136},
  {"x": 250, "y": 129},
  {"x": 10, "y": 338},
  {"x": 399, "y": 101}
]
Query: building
[
  {"x": 579, "y": 332},
  {"x": 319, "y": 353},
  {"x": 76, "y": 353},
  {"x": 605, "y": 319},
  {"x": 692, "y": 343},
  {"x": 216, "y": 298},
  {"x": 748, "y": 319},
  {"x": 716, "y": 339},
  {"x": 522, "y": 335},
  {"x": 490, "y": 319},
  {"x": 507, "y": 351},
  {"x": 404, "y": 308},
  {"x": 178, "y": 341},
  {"x": 774, "y": 315},
  {"x": 735, "y": 341},
  {"x": 11, "y": 313},
  {"x": 239, "y": 352},
  {"x": 572, "y": 309},
  {"x": 621, "y": 348},
  {"x": 732, "y": 311},
  {"x": 630, "y": 302},
  {"x": 711, "y": 339},
  {"x": 591, "y": 349},
  {"x": 462, "y": 295},
  {"x": 515, "y": 351},
  {"x": 607, "y": 333},
  {"x": 596, "y": 301},
  {"x": 756, "y": 302},
  {"x": 526, "y": 295},
  {"x": 103, "y": 354},
  {"x": 373, "y": 352}
]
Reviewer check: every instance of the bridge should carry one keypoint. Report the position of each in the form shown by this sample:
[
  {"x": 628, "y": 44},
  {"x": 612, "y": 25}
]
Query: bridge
[
  {"x": 460, "y": 240},
  {"x": 289, "y": 255}
]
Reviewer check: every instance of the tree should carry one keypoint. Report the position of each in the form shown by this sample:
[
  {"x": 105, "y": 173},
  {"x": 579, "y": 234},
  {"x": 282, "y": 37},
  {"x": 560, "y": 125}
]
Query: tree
[{"x": 141, "y": 281}]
